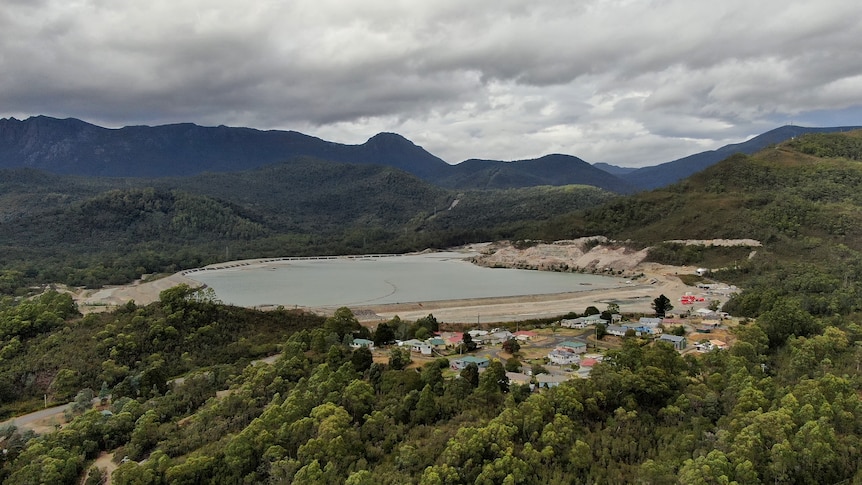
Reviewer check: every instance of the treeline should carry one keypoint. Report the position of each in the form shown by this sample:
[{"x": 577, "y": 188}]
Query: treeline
[
  {"x": 46, "y": 348},
  {"x": 763, "y": 412}
]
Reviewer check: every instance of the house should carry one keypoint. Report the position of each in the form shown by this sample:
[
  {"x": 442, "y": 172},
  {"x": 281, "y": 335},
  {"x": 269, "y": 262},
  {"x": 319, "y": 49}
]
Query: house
[
  {"x": 548, "y": 381},
  {"x": 650, "y": 321},
  {"x": 452, "y": 339},
  {"x": 718, "y": 344},
  {"x": 616, "y": 330},
  {"x": 525, "y": 335},
  {"x": 519, "y": 378},
  {"x": 678, "y": 343},
  {"x": 460, "y": 363},
  {"x": 361, "y": 342},
  {"x": 563, "y": 357},
  {"x": 494, "y": 338},
  {"x": 436, "y": 342},
  {"x": 583, "y": 322},
  {"x": 576, "y": 347},
  {"x": 642, "y": 329}
]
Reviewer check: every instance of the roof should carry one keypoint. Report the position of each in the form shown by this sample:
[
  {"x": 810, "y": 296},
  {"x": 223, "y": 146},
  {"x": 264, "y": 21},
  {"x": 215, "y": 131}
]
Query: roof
[
  {"x": 551, "y": 378},
  {"x": 588, "y": 362},
  {"x": 671, "y": 338},
  {"x": 436, "y": 341},
  {"x": 363, "y": 341},
  {"x": 574, "y": 345},
  {"x": 518, "y": 377},
  {"x": 649, "y": 320},
  {"x": 470, "y": 358},
  {"x": 526, "y": 333}
]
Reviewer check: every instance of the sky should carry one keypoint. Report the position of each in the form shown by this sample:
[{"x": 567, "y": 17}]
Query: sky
[{"x": 626, "y": 82}]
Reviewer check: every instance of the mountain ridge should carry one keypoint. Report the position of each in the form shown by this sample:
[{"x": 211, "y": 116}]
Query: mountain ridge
[{"x": 74, "y": 147}]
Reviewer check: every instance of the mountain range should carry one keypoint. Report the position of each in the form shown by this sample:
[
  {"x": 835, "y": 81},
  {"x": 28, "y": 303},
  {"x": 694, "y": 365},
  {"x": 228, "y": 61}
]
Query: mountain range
[{"x": 74, "y": 147}]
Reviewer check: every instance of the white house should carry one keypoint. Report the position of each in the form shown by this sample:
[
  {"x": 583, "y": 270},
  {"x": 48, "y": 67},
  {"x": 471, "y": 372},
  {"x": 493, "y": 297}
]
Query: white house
[{"x": 563, "y": 357}]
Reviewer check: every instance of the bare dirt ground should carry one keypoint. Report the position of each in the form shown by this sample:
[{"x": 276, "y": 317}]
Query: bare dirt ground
[
  {"x": 640, "y": 284},
  {"x": 110, "y": 297}
]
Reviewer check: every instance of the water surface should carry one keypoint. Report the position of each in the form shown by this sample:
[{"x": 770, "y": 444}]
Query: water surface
[{"x": 383, "y": 280}]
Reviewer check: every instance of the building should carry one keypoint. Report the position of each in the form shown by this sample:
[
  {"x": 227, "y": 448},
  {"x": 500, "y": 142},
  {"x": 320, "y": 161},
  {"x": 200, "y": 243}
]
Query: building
[
  {"x": 361, "y": 342},
  {"x": 563, "y": 357},
  {"x": 525, "y": 335},
  {"x": 616, "y": 330},
  {"x": 583, "y": 322},
  {"x": 460, "y": 363},
  {"x": 519, "y": 378},
  {"x": 548, "y": 381},
  {"x": 576, "y": 347},
  {"x": 492, "y": 338},
  {"x": 678, "y": 343}
]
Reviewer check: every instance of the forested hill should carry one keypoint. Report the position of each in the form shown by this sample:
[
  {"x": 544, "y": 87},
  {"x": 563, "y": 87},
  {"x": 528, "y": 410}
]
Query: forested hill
[
  {"x": 781, "y": 405},
  {"x": 96, "y": 231},
  {"x": 802, "y": 199},
  {"x": 668, "y": 173}
]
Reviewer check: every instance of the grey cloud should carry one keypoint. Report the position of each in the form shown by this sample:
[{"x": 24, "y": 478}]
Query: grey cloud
[{"x": 607, "y": 80}]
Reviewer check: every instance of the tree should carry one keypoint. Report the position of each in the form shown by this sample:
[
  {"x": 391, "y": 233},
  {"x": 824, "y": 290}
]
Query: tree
[
  {"x": 513, "y": 365},
  {"x": 399, "y": 358},
  {"x": 467, "y": 342},
  {"x": 661, "y": 305},
  {"x": 384, "y": 334},
  {"x": 511, "y": 346},
  {"x": 601, "y": 330},
  {"x": 362, "y": 359},
  {"x": 471, "y": 374}
]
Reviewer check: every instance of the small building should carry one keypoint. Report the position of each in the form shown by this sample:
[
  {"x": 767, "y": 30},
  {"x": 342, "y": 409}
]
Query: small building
[
  {"x": 563, "y": 357},
  {"x": 525, "y": 335},
  {"x": 548, "y": 381},
  {"x": 361, "y": 342},
  {"x": 678, "y": 343},
  {"x": 583, "y": 322},
  {"x": 650, "y": 321},
  {"x": 616, "y": 330},
  {"x": 436, "y": 342},
  {"x": 718, "y": 344},
  {"x": 454, "y": 340},
  {"x": 460, "y": 363},
  {"x": 494, "y": 338},
  {"x": 576, "y": 347},
  {"x": 519, "y": 378}
]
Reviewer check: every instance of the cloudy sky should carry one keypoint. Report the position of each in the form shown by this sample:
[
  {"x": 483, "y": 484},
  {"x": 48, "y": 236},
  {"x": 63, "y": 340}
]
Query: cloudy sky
[{"x": 627, "y": 82}]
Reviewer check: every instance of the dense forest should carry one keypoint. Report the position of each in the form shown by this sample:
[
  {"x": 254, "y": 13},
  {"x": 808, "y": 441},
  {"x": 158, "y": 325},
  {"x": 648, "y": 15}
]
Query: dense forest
[
  {"x": 185, "y": 400},
  {"x": 97, "y": 231}
]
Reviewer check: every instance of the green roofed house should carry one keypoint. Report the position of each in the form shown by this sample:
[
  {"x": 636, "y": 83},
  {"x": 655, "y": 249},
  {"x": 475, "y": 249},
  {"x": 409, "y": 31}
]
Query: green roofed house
[
  {"x": 481, "y": 362},
  {"x": 576, "y": 347},
  {"x": 361, "y": 342}
]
